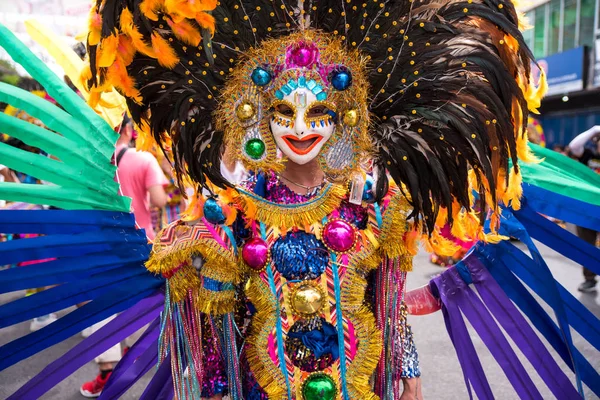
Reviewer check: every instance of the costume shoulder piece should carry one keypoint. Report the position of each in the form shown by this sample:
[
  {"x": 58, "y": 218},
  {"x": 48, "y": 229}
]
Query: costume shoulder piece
[{"x": 198, "y": 260}]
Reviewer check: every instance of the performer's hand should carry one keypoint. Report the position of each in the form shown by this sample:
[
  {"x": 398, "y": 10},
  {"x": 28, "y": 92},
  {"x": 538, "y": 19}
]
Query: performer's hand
[
  {"x": 421, "y": 301},
  {"x": 412, "y": 389}
]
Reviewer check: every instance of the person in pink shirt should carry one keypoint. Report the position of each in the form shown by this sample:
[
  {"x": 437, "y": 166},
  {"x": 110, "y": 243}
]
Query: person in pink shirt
[{"x": 141, "y": 178}]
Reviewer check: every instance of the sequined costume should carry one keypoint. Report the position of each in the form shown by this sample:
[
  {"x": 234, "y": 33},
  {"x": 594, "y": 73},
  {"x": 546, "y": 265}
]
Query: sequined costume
[{"x": 415, "y": 114}]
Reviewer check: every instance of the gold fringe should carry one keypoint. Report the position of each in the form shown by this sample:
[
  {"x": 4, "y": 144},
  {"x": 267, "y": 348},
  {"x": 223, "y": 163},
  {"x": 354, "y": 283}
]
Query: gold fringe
[
  {"x": 369, "y": 337},
  {"x": 216, "y": 303},
  {"x": 267, "y": 374},
  {"x": 220, "y": 263},
  {"x": 394, "y": 227},
  {"x": 282, "y": 216},
  {"x": 184, "y": 280}
]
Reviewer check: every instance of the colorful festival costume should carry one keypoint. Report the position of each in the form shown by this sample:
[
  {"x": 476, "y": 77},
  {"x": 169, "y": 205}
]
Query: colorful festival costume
[{"x": 416, "y": 113}]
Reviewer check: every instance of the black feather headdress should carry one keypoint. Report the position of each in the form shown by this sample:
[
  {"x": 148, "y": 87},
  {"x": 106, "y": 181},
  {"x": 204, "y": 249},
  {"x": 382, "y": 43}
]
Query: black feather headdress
[{"x": 447, "y": 91}]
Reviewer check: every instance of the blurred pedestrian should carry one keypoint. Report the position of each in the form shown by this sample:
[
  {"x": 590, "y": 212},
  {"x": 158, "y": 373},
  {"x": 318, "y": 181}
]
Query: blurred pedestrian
[
  {"x": 586, "y": 148},
  {"x": 142, "y": 179}
]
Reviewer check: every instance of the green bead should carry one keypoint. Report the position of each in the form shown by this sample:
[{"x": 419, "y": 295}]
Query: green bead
[
  {"x": 255, "y": 148},
  {"x": 319, "y": 387}
]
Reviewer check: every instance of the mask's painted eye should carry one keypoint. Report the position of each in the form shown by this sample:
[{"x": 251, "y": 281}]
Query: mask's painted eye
[
  {"x": 317, "y": 111},
  {"x": 284, "y": 110}
]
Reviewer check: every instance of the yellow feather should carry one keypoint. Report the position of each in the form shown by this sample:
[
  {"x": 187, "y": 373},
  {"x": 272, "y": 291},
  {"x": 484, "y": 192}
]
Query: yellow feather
[
  {"x": 164, "y": 53},
  {"x": 129, "y": 28}
]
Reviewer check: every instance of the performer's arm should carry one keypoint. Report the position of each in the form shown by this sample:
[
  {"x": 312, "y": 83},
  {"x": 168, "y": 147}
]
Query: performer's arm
[{"x": 577, "y": 145}]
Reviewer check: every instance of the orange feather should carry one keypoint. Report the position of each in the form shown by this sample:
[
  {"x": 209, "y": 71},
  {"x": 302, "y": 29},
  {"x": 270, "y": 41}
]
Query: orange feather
[
  {"x": 122, "y": 81},
  {"x": 107, "y": 51},
  {"x": 149, "y": 8},
  {"x": 126, "y": 49},
  {"x": 185, "y": 32},
  {"x": 164, "y": 53},
  {"x": 206, "y": 21}
]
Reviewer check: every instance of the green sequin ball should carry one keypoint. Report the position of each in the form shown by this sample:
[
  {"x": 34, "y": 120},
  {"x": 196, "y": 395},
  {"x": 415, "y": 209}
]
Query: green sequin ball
[{"x": 255, "y": 148}]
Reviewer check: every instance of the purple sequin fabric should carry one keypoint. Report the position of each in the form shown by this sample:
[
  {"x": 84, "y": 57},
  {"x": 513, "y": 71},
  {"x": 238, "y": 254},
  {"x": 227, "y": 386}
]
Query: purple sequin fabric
[{"x": 215, "y": 376}]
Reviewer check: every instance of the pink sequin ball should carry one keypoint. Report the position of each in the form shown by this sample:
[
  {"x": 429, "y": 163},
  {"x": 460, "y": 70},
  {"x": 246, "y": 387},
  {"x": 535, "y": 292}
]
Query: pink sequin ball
[
  {"x": 255, "y": 253},
  {"x": 339, "y": 235}
]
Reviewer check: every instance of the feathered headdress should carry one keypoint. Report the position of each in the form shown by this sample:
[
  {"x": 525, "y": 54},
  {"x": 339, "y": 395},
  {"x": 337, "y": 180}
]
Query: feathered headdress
[{"x": 446, "y": 92}]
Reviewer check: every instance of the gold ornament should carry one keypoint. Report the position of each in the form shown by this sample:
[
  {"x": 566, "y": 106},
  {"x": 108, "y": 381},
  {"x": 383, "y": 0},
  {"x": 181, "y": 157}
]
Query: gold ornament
[
  {"x": 307, "y": 299},
  {"x": 245, "y": 111},
  {"x": 350, "y": 118}
]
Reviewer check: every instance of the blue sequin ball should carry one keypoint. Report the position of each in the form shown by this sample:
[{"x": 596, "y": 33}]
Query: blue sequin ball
[
  {"x": 261, "y": 77},
  {"x": 341, "y": 80},
  {"x": 299, "y": 256}
]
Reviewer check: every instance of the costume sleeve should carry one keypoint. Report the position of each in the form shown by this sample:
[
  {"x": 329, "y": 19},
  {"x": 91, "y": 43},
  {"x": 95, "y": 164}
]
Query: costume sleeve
[{"x": 200, "y": 266}]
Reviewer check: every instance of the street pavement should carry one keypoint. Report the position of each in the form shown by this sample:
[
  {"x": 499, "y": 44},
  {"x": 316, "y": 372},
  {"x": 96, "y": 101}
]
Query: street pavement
[{"x": 441, "y": 374}]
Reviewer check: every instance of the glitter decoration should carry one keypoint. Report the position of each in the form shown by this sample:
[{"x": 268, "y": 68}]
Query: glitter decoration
[
  {"x": 312, "y": 344},
  {"x": 307, "y": 299},
  {"x": 339, "y": 235},
  {"x": 255, "y": 148},
  {"x": 341, "y": 80},
  {"x": 245, "y": 111},
  {"x": 212, "y": 211},
  {"x": 256, "y": 253},
  {"x": 319, "y": 387},
  {"x": 339, "y": 156},
  {"x": 299, "y": 256},
  {"x": 350, "y": 118},
  {"x": 261, "y": 77},
  {"x": 302, "y": 55}
]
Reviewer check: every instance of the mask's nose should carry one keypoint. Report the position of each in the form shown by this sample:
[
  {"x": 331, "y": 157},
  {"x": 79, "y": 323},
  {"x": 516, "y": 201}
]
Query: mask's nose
[{"x": 300, "y": 124}]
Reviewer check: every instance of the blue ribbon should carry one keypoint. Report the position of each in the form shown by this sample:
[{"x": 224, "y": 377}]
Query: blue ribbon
[
  {"x": 48, "y": 222},
  {"x": 320, "y": 341}
]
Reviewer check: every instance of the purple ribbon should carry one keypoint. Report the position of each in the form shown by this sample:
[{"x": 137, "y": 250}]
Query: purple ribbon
[
  {"x": 115, "y": 331},
  {"x": 161, "y": 385},
  {"x": 142, "y": 356},
  {"x": 482, "y": 321},
  {"x": 509, "y": 317}
]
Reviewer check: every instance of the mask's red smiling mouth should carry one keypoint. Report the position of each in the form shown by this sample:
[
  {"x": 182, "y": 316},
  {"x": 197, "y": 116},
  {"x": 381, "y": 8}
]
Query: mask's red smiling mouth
[{"x": 303, "y": 145}]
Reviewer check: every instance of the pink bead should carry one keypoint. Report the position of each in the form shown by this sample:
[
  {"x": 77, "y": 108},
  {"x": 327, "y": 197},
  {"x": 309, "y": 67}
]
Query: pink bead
[
  {"x": 256, "y": 253},
  {"x": 339, "y": 235},
  {"x": 303, "y": 55}
]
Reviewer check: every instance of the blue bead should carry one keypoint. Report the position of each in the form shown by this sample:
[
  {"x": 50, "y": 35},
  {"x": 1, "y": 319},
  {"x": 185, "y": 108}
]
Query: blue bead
[
  {"x": 213, "y": 211},
  {"x": 292, "y": 83},
  {"x": 368, "y": 193},
  {"x": 286, "y": 89},
  {"x": 299, "y": 255},
  {"x": 322, "y": 96},
  {"x": 302, "y": 81},
  {"x": 261, "y": 77},
  {"x": 279, "y": 94},
  {"x": 311, "y": 84},
  {"x": 317, "y": 89},
  {"x": 341, "y": 80}
]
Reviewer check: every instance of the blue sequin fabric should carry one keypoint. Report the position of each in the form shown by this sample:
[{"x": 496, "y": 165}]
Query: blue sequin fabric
[{"x": 299, "y": 256}]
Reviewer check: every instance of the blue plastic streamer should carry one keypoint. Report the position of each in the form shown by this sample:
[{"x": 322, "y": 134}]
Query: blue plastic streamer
[
  {"x": 48, "y": 222},
  {"x": 539, "y": 318},
  {"x": 161, "y": 385},
  {"x": 562, "y": 207},
  {"x": 51, "y": 246},
  {"x": 511, "y": 227},
  {"x": 66, "y": 270},
  {"x": 116, "y": 330},
  {"x": 102, "y": 307},
  {"x": 579, "y": 317},
  {"x": 63, "y": 296},
  {"x": 559, "y": 239}
]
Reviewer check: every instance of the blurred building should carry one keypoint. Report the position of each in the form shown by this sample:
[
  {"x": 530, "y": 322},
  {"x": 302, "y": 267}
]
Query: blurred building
[{"x": 565, "y": 40}]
